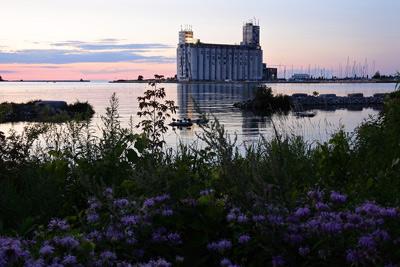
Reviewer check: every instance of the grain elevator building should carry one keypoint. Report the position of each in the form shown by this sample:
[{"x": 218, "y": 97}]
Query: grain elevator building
[{"x": 197, "y": 61}]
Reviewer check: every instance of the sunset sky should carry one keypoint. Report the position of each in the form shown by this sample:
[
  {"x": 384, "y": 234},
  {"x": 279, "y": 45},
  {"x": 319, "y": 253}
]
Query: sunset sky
[{"x": 121, "y": 39}]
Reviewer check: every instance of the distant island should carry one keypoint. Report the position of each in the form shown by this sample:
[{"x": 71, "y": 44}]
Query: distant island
[{"x": 44, "y": 81}]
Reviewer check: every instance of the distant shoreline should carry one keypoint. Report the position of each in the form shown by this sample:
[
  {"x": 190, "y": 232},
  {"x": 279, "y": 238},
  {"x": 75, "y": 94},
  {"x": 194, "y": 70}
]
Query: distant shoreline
[
  {"x": 261, "y": 82},
  {"x": 46, "y": 81}
]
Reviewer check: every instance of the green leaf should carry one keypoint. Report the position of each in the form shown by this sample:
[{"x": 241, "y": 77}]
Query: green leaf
[
  {"x": 132, "y": 156},
  {"x": 205, "y": 200},
  {"x": 141, "y": 143},
  {"x": 395, "y": 162},
  {"x": 369, "y": 183},
  {"x": 86, "y": 247},
  {"x": 128, "y": 184}
]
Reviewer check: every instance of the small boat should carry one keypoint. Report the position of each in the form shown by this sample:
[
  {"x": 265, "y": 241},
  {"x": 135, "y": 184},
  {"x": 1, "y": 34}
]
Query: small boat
[
  {"x": 181, "y": 123},
  {"x": 304, "y": 114}
]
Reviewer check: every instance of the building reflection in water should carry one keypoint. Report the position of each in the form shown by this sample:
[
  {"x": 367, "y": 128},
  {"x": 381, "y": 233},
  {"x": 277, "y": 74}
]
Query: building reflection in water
[{"x": 217, "y": 99}]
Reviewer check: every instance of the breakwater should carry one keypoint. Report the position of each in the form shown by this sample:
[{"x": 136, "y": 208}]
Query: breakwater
[{"x": 304, "y": 100}]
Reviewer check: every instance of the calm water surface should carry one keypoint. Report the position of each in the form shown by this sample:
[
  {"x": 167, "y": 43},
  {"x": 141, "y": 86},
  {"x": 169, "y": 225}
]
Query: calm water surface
[{"x": 215, "y": 99}]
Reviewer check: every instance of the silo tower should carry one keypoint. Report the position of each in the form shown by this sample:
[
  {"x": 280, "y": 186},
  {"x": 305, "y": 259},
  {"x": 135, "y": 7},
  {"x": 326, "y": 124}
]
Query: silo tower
[{"x": 251, "y": 34}]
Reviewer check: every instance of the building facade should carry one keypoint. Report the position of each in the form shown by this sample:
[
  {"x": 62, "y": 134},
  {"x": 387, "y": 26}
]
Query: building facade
[{"x": 197, "y": 61}]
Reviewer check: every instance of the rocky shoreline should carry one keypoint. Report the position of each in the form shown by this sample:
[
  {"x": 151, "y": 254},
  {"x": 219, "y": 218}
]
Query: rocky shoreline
[{"x": 304, "y": 100}]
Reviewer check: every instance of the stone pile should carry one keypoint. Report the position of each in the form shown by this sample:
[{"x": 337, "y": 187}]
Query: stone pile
[
  {"x": 332, "y": 99},
  {"x": 300, "y": 99}
]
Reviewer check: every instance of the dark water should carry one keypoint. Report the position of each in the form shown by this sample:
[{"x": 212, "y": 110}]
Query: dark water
[{"x": 215, "y": 99}]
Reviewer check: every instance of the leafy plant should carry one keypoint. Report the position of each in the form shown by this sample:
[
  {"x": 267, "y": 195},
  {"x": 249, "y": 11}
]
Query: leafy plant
[{"x": 155, "y": 113}]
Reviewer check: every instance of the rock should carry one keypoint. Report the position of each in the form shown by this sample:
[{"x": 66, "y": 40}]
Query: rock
[
  {"x": 355, "y": 95},
  {"x": 299, "y": 95},
  {"x": 53, "y": 104},
  {"x": 327, "y": 95}
]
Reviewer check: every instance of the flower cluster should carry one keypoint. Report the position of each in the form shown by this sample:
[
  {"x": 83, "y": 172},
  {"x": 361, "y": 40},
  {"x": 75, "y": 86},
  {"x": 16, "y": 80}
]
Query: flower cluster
[
  {"x": 361, "y": 235},
  {"x": 108, "y": 221},
  {"x": 122, "y": 232}
]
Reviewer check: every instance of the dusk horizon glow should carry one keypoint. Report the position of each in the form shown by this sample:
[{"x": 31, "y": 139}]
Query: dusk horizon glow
[{"x": 98, "y": 41}]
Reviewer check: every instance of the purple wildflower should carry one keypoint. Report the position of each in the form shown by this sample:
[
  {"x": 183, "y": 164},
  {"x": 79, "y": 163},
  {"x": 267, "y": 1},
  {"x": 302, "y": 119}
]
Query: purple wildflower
[
  {"x": 204, "y": 192},
  {"x": 354, "y": 256},
  {"x": 167, "y": 212},
  {"x": 58, "y": 224},
  {"x": 235, "y": 210},
  {"x": 174, "y": 238},
  {"x": 220, "y": 246},
  {"x": 243, "y": 239},
  {"x": 95, "y": 206},
  {"x": 10, "y": 250},
  {"x": 348, "y": 226},
  {"x": 321, "y": 206},
  {"x": 224, "y": 244},
  {"x": 313, "y": 225},
  {"x": 303, "y": 212},
  {"x": 381, "y": 234},
  {"x": 149, "y": 203},
  {"x": 316, "y": 194},
  {"x": 33, "y": 263},
  {"x": 225, "y": 262},
  {"x": 354, "y": 218},
  {"x": 158, "y": 263},
  {"x": 304, "y": 251},
  {"x": 389, "y": 212},
  {"x": 131, "y": 240},
  {"x": 293, "y": 238},
  {"x": 231, "y": 217},
  {"x": 161, "y": 198},
  {"x": 338, "y": 198},
  {"x": 179, "y": 258},
  {"x": 92, "y": 218},
  {"x": 366, "y": 241},
  {"x": 95, "y": 236},
  {"x": 120, "y": 203},
  {"x": 107, "y": 255},
  {"x": 333, "y": 227},
  {"x": 369, "y": 208},
  {"x": 68, "y": 242},
  {"x": 242, "y": 218},
  {"x": 108, "y": 193},
  {"x": 292, "y": 219},
  {"x": 69, "y": 259},
  {"x": 278, "y": 220},
  {"x": 158, "y": 237},
  {"x": 213, "y": 246},
  {"x": 277, "y": 261},
  {"x": 258, "y": 218},
  {"x": 46, "y": 250},
  {"x": 129, "y": 220}
]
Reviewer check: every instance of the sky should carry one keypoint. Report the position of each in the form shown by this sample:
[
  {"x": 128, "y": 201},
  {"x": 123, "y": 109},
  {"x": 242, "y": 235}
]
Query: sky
[{"x": 122, "y": 39}]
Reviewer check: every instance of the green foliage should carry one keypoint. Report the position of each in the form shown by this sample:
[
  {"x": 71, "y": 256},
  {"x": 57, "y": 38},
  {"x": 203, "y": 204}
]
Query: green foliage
[
  {"x": 266, "y": 103},
  {"x": 30, "y": 111},
  {"x": 83, "y": 109}
]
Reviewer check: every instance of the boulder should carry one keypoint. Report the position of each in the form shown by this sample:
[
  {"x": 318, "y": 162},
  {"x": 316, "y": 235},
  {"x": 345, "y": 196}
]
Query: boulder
[{"x": 53, "y": 104}]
